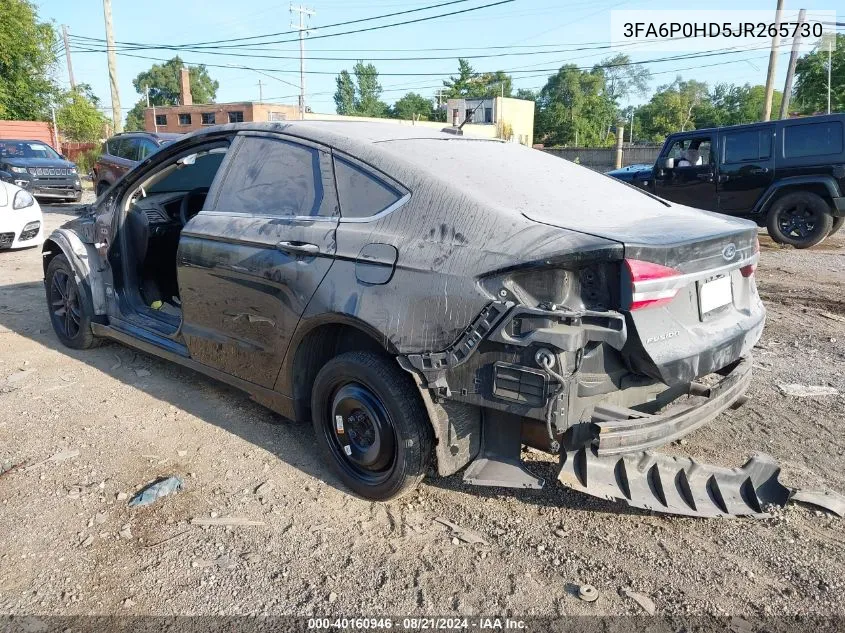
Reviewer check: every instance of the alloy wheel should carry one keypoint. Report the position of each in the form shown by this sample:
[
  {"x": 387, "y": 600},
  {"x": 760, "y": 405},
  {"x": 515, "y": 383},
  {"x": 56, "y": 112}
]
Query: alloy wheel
[{"x": 64, "y": 304}]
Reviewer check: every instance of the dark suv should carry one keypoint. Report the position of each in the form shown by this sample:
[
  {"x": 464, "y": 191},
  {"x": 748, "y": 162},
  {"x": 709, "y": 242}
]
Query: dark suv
[
  {"x": 788, "y": 175},
  {"x": 123, "y": 151},
  {"x": 38, "y": 168}
]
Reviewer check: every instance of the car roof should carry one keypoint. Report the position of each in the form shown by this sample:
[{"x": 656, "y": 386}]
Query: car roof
[
  {"x": 159, "y": 135},
  {"x": 330, "y": 132},
  {"x": 821, "y": 118}
]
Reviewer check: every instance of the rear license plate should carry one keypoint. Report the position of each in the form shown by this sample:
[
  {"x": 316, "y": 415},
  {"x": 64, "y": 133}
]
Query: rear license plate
[{"x": 714, "y": 294}]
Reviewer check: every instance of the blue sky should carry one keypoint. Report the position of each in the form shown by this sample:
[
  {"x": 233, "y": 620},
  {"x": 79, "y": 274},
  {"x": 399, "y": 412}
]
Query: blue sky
[{"x": 521, "y": 23}]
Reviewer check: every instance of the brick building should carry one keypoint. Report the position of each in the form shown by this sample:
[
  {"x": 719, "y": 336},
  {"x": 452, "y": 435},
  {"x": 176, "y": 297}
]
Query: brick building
[{"x": 189, "y": 116}]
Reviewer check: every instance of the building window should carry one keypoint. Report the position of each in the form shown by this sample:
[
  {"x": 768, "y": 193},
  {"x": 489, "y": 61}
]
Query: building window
[
  {"x": 208, "y": 118},
  {"x": 161, "y": 119},
  {"x": 277, "y": 116},
  {"x": 185, "y": 119},
  {"x": 236, "y": 116}
]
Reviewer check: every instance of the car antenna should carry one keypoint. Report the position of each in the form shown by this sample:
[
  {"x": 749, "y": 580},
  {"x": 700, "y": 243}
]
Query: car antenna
[{"x": 459, "y": 131}]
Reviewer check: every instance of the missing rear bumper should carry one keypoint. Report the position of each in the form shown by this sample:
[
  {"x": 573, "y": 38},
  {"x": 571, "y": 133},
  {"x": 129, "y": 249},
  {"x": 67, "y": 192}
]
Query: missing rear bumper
[{"x": 618, "y": 430}]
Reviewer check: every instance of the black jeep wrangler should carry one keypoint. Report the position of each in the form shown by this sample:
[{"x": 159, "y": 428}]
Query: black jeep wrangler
[{"x": 787, "y": 175}]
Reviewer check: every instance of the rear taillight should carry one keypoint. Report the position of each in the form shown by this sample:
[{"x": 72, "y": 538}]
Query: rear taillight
[
  {"x": 747, "y": 271},
  {"x": 647, "y": 289}
]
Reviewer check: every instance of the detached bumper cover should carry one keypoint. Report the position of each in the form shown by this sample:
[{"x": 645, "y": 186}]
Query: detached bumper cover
[{"x": 616, "y": 436}]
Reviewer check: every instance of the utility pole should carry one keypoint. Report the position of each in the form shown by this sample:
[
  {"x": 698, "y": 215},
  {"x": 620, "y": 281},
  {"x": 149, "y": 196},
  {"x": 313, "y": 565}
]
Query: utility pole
[
  {"x": 260, "y": 92},
  {"x": 155, "y": 123},
  {"x": 790, "y": 71},
  {"x": 67, "y": 56},
  {"x": 55, "y": 130},
  {"x": 115, "y": 90},
  {"x": 830, "y": 37},
  {"x": 303, "y": 31},
  {"x": 773, "y": 61}
]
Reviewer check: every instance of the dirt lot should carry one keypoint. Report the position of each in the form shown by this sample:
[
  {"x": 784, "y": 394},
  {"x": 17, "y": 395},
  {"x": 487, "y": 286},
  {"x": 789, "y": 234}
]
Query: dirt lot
[{"x": 70, "y": 545}]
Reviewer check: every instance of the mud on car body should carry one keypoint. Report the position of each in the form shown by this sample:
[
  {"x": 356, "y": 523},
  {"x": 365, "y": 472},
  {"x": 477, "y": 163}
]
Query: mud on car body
[{"x": 423, "y": 298}]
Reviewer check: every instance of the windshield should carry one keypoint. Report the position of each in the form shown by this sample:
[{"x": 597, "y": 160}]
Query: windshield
[{"x": 26, "y": 149}]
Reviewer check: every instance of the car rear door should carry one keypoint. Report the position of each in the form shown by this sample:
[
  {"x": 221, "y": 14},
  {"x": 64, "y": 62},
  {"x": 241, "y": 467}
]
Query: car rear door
[
  {"x": 250, "y": 261},
  {"x": 746, "y": 167},
  {"x": 693, "y": 183}
]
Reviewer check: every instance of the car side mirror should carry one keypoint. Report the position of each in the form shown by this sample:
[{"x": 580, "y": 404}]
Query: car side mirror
[{"x": 669, "y": 163}]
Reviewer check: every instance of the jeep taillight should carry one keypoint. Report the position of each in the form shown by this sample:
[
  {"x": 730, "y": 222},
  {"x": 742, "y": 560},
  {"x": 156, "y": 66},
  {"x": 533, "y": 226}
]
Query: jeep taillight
[
  {"x": 648, "y": 287},
  {"x": 747, "y": 271}
]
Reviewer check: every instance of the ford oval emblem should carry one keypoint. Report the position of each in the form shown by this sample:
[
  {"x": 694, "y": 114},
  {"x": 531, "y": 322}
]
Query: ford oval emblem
[{"x": 729, "y": 252}]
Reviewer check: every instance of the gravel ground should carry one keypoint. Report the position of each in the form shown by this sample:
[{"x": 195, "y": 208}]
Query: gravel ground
[{"x": 114, "y": 420}]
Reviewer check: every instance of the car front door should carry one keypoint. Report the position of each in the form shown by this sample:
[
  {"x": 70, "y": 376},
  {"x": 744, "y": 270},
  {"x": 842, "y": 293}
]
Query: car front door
[
  {"x": 691, "y": 180},
  {"x": 250, "y": 261},
  {"x": 746, "y": 168}
]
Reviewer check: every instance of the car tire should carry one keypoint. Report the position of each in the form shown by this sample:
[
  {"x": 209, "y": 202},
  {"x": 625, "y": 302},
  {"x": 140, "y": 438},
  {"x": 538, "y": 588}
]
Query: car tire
[
  {"x": 837, "y": 224},
  {"x": 801, "y": 219},
  {"x": 371, "y": 425},
  {"x": 70, "y": 312}
]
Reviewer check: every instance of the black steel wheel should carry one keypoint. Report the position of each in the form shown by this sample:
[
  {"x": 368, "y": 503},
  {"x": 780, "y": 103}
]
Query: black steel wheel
[
  {"x": 801, "y": 219},
  {"x": 371, "y": 424},
  {"x": 70, "y": 312}
]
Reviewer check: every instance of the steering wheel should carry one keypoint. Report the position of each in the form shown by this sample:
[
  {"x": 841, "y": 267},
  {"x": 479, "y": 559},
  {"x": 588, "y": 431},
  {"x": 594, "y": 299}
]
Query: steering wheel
[{"x": 186, "y": 203}]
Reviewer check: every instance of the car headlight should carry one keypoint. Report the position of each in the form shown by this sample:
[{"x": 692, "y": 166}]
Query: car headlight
[
  {"x": 22, "y": 200},
  {"x": 18, "y": 170},
  {"x": 72, "y": 170}
]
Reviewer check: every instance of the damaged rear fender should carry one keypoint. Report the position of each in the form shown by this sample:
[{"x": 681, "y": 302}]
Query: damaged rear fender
[{"x": 82, "y": 258}]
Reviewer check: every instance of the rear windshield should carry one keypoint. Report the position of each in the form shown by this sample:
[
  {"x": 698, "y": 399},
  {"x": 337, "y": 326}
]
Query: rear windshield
[{"x": 812, "y": 139}]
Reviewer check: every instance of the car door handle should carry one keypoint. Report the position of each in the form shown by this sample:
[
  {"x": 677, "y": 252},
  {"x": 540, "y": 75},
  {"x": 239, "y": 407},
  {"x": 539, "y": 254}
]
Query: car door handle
[
  {"x": 298, "y": 247},
  {"x": 705, "y": 177},
  {"x": 724, "y": 178},
  {"x": 760, "y": 170}
]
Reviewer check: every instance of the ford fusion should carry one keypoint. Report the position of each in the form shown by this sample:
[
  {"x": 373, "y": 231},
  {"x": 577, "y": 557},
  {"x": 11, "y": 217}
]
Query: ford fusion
[{"x": 425, "y": 299}]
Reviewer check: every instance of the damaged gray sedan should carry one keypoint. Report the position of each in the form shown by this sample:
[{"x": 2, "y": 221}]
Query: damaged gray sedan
[{"x": 427, "y": 299}]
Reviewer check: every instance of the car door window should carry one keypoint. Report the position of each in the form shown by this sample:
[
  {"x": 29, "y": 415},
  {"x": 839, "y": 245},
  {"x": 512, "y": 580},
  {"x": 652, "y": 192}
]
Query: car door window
[
  {"x": 360, "y": 193},
  {"x": 270, "y": 176},
  {"x": 746, "y": 146},
  {"x": 812, "y": 139},
  {"x": 145, "y": 148},
  {"x": 115, "y": 147}
]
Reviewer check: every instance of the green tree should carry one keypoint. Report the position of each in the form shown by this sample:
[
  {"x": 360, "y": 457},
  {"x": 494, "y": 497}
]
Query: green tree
[
  {"x": 728, "y": 104},
  {"x": 369, "y": 101},
  {"x": 78, "y": 117},
  {"x": 622, "y": 78},
  {"x": 672, "y": 108},
  {"x": 811, "y": 80},
  {"x": 344, "y": 97},
  {"x": 163, "y": 82},
  {"x": 26, "y": 58},
  {"x": 361, "y": 96},
  {"x": 573, "y": 107},
  {"x": 468, "y": 84},
  {"x": 413, "y": 106}
]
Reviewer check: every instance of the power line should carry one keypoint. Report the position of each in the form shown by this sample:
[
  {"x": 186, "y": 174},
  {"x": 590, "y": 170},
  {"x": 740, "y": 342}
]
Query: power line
[
  {"x": 136, "y": 46},
  {"x": 442, "y": 73}
]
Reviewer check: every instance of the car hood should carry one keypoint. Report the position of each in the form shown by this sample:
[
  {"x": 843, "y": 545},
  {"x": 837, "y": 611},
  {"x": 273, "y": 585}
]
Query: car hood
[{"x": 39, "y": 162}]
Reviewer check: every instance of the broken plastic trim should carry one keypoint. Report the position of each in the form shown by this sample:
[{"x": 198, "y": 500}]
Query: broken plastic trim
[
  {"x": 681, "y": 485},
  {"x": 433, "y": 364}
]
